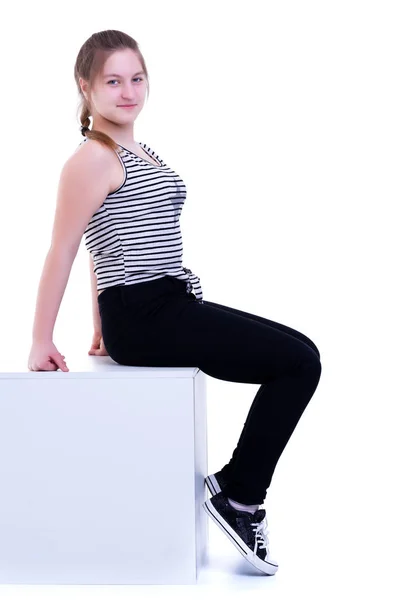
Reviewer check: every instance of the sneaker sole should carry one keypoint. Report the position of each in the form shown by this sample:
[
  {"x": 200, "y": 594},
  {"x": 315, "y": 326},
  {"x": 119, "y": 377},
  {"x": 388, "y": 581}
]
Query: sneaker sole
[{"x": 266, "y": 567}]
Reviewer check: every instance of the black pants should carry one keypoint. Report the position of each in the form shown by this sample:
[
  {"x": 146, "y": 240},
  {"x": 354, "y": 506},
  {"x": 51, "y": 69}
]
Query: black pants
[{"x": 158, "y": 323}]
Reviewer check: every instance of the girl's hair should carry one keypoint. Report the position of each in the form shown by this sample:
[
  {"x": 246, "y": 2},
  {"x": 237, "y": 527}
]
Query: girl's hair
[{"x": 89, "y": 64}]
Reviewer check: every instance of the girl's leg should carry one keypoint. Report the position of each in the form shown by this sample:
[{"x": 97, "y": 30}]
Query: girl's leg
[
  {"x": 284, "y": 328},
  {"x": 177, "y": 330},
  {"x": 226, "y": 471}
]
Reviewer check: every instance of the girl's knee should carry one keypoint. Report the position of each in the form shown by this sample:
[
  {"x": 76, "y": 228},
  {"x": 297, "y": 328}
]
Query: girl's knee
[{"x": 313, "y": 347}]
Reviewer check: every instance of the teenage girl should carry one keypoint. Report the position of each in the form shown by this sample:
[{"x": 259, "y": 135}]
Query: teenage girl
[{"x": 149, "y": 309}]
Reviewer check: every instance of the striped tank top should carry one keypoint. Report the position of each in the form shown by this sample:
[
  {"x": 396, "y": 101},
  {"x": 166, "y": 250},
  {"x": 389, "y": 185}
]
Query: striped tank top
[{"x": 135, "y": 235}]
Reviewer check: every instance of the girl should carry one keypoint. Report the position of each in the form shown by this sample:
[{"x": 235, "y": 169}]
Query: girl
[{"x": 127, "y": 202}]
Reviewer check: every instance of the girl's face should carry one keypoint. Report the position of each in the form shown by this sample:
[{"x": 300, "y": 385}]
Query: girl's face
[{"x": 122, "y": 81}]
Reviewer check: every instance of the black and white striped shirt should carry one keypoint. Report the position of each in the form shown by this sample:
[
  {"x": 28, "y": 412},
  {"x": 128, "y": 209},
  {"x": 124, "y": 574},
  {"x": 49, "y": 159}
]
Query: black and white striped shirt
[{"x": 135, "y": 235}]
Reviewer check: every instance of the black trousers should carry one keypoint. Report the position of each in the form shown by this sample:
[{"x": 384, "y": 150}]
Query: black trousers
[{"x": 158, "y": 323}]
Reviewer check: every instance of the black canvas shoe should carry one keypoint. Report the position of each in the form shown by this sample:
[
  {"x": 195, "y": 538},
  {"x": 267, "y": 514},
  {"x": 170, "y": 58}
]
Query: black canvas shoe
[
  {"x": 215, "y": 483},
  {"x": 247, "y": 532}
]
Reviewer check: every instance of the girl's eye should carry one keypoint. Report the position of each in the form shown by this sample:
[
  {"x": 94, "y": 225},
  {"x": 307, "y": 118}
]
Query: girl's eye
[{"x": 111, "y": 80}]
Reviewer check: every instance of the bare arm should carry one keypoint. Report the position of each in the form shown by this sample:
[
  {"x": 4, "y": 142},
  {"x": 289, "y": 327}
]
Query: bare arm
[
  {"x": 95, "y": 305},
  {"x": 84, "y": 183},
  {"x": 54, "y": 279}
]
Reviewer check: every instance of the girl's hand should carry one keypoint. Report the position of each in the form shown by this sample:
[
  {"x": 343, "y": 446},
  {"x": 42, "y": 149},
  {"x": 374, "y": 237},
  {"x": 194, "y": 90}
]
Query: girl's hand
[
  {"x": 44, "y": 356},
  {"x": 98, "y": 348}
]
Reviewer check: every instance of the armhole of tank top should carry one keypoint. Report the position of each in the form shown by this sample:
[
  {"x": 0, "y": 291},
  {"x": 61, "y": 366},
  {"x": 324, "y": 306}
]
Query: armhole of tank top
[
  {"x": 123, "y": 167},
  {"x": 125, "y": 174}
]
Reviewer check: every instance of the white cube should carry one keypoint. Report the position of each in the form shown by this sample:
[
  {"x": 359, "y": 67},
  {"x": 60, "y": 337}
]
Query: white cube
[{"x": 102, "y": 474}]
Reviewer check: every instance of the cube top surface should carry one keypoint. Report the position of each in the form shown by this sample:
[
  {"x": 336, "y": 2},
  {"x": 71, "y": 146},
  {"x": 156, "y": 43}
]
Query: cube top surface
[{"x": 91, "y": 367}]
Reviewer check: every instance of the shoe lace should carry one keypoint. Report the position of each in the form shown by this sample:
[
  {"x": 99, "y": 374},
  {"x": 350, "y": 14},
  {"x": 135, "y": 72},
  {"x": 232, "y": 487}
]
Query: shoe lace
[{"x": 261, "y": 535}]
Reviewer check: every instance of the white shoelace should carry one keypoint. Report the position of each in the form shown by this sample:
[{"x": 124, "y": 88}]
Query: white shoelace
[{"x": 261, "y": 535}]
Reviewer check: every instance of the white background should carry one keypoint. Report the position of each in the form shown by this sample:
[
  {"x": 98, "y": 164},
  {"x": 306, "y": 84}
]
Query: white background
[{"x": 282, "y": 118}]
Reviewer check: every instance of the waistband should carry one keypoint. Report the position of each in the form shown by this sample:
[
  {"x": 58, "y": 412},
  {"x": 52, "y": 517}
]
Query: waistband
[{"x": 145, "y": 290}]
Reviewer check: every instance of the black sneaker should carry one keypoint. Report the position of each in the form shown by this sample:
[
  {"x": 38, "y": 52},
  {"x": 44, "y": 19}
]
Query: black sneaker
[
  {"x": 215, "y": 483},
  {"x": 247, "y": 532}
]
